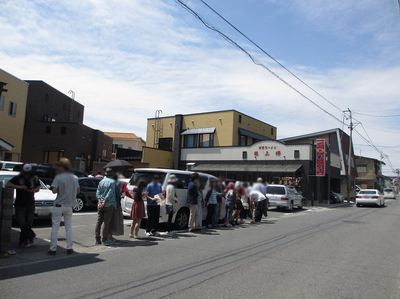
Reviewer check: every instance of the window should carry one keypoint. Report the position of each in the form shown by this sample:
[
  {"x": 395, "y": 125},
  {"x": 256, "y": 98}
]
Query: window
[
  {"x": 2, "y": 100},
  {"x": 13, "y": 109},
  {"x": 206, "y": 140},
  {"x": 242, "y": 140},
  {"x": 79, "y": 114},
  {"x": 272, "y": 131},
  {"x": 244, "y": 155},
  {"x": 45, "y": 118},
  {"x": 63, "y": 130},
  {"x": 190, "y": 141},
  {"x": 165, "y": 144},
  {"x": 48, "y": 129},
  {"x": 116, "y": 146},
  {"x": 297, "y": 154},
  {"x": 240, "y": 119},
  {"x": 88, "y": 184},
  {"x": 182, "y": 181},
  {"x": 8, "y": 157},
  {"x": 130, "y": 148},
  {"x": 362, "y": 168},
  {"x": 276, "y": 190}
]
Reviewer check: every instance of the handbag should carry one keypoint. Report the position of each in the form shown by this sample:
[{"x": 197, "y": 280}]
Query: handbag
[
  {"x": 245, "y": 203},
  {"x": 169, "y": 209}
]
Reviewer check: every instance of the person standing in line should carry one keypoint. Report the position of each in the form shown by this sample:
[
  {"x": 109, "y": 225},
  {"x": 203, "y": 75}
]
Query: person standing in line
[
  {"x": 200, "y": 204},
  {"x": 220, "y": 198},
  {"x": 26, "y": 185},
  {"x": 171, "y": 201},
  {"x": 260, "y": 201},
  {"x": 117, "y": 222},
  {"x": 238, "y": 207},
  {"x": 229, "y": 202},
  {"x": 153, "y": 208},
  {"x": 260, "y": 186},
  {"x": 66, "y": 186},
  {"x": 138, "y": 210},
  {"x": 192, "y": 200},
  {"x": 99, "y": 175},
  {"x": 106, "y": 203},
  {"x": 211, "y": 203}
]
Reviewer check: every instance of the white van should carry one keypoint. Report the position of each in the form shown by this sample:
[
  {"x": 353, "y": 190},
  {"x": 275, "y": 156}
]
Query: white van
[
  {"x": 181, "y": 218},
  {"x": 8, "y": 165}
]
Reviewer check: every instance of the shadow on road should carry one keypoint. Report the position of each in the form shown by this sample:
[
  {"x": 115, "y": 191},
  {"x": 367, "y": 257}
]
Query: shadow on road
[{"x": 49, "y": 265}]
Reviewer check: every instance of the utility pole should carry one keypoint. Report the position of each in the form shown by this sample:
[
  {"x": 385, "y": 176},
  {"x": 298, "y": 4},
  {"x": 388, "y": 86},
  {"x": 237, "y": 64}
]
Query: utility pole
[{"x": 351, "y": 127}]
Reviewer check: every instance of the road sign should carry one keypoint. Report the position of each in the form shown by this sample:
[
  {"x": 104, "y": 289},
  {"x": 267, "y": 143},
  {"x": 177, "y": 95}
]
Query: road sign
[{"x": 321, "y": 154}]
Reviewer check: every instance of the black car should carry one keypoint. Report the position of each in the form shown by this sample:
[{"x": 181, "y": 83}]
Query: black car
[
  {"x": 87, "y": 196},
  {"x": 47, "y": 173}
]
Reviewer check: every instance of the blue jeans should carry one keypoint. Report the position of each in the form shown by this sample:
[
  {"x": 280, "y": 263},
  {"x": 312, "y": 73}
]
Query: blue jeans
[
  {"x": 24, "y": 216},
  {"x": 229, "y": 210},
  {"x": 217, "y": 213}
]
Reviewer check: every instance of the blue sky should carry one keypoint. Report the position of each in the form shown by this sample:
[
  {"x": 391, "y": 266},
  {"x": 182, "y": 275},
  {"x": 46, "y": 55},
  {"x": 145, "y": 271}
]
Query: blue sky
[{"x": 125, "y": 59}]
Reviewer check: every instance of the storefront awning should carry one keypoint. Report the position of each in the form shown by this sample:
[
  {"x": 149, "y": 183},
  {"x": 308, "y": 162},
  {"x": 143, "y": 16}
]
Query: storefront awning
[
  {"x": 199, "y": 131},
  {"x": 271, "y": 168},
  {"x": 253, "y": 135},
  {"x": 5, "y": 146}
]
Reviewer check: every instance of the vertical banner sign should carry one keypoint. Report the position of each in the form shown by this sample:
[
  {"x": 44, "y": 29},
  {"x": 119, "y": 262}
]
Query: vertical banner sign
[{"x": 320, "y": 157}]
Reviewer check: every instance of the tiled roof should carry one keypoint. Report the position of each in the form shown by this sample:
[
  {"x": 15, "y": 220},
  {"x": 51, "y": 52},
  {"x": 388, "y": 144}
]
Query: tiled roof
[{"x": 122, "y": 135}]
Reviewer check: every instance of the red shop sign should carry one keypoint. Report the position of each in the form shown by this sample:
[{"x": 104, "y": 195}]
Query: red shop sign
[{"x": 320, "y": 154}]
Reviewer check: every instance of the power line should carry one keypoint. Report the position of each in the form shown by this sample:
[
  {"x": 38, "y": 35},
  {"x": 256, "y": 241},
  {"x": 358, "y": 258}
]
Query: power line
[
  {"x": 394, "y": 115},
  {"x": 255, "y": 61},
  {"x": 269, "y": 55}
]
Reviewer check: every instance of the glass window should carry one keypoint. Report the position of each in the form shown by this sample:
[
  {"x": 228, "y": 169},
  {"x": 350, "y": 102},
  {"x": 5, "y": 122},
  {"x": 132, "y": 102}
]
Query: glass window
[
  {"x": 190, "y": 141},
  {"x": 362, "y": 168},
  {"x": 207, "y": 140},
  {"x": 147, "y": 177},
  {"x": 183, "y": 181},
  {"x": 276, "y": 190},
  {"x": 13, "y": 109},
  {"x": 242, "y": 140},
  {"x": 297, "y": 154},
  {"x": 272, "y": 131},
  {"x": 165, "y": 144},
  {"x": 2, "y": 100},
  {"x": 115, "y": 146},
  {"x": 367, "y": 192},
  {"x": 240, "y": 119}
]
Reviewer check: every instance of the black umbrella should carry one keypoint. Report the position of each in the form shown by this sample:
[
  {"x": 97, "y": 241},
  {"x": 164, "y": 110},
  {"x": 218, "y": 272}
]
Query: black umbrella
[{"x": 118, "y": 164}]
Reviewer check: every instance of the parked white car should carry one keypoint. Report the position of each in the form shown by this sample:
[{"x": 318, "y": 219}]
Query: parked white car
[
  {"x": 44, "y": 199},
  {"x": 181, "y": 218},
  {"x": 370, "y": 197},
  {"x": 282, "y": 196},
  {"x": 8, "y": 165},
  {"x": 389, "y": 193}
]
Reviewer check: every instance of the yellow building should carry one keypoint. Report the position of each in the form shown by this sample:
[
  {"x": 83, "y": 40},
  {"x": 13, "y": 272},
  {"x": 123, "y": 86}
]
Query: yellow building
[
  {"x": 166, "y": 136},
  {"x": 12, "y": 116}
]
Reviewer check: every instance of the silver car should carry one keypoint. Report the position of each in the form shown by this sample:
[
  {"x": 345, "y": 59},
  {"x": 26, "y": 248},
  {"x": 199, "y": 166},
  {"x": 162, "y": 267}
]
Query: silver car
[
  {"x": 389, "y": 193},
  {"x": 282, "y": 196}
]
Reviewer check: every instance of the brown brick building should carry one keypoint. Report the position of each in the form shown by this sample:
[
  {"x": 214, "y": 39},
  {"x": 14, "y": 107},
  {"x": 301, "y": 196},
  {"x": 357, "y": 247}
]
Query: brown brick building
[{"x": 54, "y": 128}]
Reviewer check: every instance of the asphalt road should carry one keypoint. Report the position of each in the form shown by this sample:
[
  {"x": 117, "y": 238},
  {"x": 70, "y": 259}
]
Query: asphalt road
[{"x": 344, "y": 252}]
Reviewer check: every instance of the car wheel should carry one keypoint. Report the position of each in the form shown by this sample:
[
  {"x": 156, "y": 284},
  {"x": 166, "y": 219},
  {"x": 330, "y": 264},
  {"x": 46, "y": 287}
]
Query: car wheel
[
  {"x": 80, "y": 203},
  {"x": 358, "y": 205},
  {"x": 301, "y": 205},
  {"x": 182, "y": 219},
  {"x": 290, "y": 208}
]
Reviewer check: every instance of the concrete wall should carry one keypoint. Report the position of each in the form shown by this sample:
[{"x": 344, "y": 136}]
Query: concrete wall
[
  {"x": 12, "y": 127},
  {"x": 157, "y": 158}
]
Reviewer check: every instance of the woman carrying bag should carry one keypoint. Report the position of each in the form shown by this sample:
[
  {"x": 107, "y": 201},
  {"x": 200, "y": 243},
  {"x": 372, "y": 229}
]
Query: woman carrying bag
[{"x": 171, "y": 202}]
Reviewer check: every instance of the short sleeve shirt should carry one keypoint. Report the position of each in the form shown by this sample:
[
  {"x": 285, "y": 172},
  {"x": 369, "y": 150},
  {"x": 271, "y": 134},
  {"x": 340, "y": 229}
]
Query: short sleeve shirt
[
  {"x": 25, "y": 198},
  {"x": 153, "y": 189},
  {"x": 67, "y": 185}
]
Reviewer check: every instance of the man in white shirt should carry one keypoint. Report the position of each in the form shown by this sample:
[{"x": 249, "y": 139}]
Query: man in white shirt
[
  {"x": 260, "y": 201},
  {"x": 66, "y": 186}
]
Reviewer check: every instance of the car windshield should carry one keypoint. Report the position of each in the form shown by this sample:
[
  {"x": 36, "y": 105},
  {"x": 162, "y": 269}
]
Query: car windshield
[
  {"x": 388, "y": 190},
  {"x": 147, "y": 177},
  {"x": 368, "y": 192},
  {"x": 276, "y": 190},
  {"x": 5, "y": 179}
]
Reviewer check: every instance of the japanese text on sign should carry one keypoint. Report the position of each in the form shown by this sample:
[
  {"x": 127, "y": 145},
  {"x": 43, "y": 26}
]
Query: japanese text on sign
[{"x": 320, "y": 157}]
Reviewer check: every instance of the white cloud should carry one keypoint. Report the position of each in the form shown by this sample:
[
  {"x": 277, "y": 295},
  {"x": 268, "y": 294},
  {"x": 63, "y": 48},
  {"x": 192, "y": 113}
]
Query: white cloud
[{"x": 125, "y": 59}]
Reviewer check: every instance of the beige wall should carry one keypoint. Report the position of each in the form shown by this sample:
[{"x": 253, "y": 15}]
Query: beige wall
[
  {"x": 251, "y": 124},
  {"x": 135, "y": 144},
  {"x": 12, "y": 128},
  {"x": 156, "y": 158},
  {"x": 167, "y": 126}
]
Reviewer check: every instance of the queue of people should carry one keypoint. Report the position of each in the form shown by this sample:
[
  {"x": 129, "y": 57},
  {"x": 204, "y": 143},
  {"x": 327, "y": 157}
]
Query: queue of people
[{"x": 241, "y": 201}]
